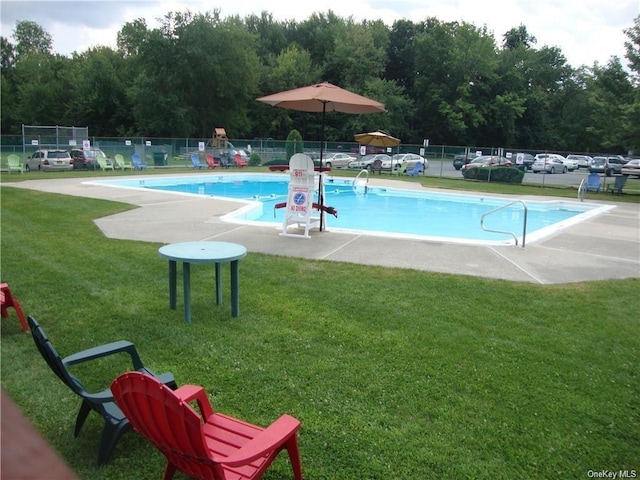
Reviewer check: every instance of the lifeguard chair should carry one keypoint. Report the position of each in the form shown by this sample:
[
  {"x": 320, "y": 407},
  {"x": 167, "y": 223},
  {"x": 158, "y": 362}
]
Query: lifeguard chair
[
  {"x": 302, "y": 188},
  {"x": 219, "y": 138}
]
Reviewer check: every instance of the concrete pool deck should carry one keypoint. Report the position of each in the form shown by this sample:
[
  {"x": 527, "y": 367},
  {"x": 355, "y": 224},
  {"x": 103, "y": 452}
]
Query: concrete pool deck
[{"x": 606, "y": 246}]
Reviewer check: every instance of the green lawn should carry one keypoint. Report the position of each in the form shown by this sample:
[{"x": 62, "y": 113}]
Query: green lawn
[{"x": 394, "y": 374}]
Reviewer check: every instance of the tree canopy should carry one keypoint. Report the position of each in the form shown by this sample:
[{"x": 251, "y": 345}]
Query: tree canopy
[{"x": 446, "y": 81}]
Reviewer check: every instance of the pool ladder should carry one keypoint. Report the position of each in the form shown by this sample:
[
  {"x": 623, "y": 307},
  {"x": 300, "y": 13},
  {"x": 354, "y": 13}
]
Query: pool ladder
[
  {"x": 524, "y": 223},
  {"x": 581, "y": 191},
  {"x": 355, "y": 182}
]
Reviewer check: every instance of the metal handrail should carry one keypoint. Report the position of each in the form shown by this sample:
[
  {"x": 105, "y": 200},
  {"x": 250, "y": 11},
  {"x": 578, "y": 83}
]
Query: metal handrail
[
  {"x": 581, "y": 190},
  {"x": 366, "y": 185},
  {"x": 524, "y": 226}
]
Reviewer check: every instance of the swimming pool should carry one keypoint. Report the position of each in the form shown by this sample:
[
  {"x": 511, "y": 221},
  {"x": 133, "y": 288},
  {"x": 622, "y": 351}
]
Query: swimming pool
[{"x": 380, "y": 211}]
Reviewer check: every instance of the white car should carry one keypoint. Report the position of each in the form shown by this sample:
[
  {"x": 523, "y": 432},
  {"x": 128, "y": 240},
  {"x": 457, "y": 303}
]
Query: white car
[
  {"x": 404, "y": 161},
  {"x": 46, "y": 160},
  {"x": 337, "y": 160},
  {"x": 584, "y": 161}
]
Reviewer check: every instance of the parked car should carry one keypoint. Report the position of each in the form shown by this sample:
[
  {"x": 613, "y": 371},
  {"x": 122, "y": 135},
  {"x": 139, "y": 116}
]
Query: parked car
[
  {"x": 48, "y": 160},
  {"x": 584, "y": 161},
  {"x": 526, "y": 158},
  {"x": 570, "y": 164},
  {"x": 460, "y": 160},
  {"x": 607, "y": 165},
  {"x": 549, "y": 164},
  {"x": 367, "y": 160},
  {"x": 487, "y": 161},
  {"x": 631, "y": 168},
  {"x": 337, "y": 160},
  {"x": 400, "y": 160},
  {"x": 408, "y": 161},
  {"x": 87, "y": 159}
]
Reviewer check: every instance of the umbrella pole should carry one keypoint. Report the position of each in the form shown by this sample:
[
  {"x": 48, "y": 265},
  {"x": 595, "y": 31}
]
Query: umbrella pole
[{"x": 320, "y": 195}]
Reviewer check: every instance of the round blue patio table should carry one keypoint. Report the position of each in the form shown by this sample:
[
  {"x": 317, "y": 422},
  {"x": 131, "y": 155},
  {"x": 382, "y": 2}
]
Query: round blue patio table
[{"x": 203, "y": 252}]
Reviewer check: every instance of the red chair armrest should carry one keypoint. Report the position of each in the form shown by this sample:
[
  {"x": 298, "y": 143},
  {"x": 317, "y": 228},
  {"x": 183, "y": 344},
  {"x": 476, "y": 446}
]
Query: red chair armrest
[
  {"x": 189, "y": 393},
  {"x": 266, "y": 441}
]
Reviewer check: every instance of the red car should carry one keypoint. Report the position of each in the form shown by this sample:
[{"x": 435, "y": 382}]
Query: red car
[
  {"x": 86, "y": 159},
  {"x": 487, "y": 161}
]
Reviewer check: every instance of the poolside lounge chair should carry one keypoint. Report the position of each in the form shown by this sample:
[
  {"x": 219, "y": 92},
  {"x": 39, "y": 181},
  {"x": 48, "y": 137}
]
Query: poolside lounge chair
[
  {"x": 239, "y": 161},
  {"x": 618, "y": 185},
  {"x": 376, "y": 166},
  {"x": 8, "y": 300},
  {"x": 212, "y": 162},
  {"x": 203, "y": 444},
  {"x": 417, "y": 169},
  {"x": 14, "y": 164},
  {"x": 138, "y": 164},
  {"x": 115, "y": 422},
  {"x": 195, "y": 159},
  {"x": 104, "y": 165},
  {"x": 122, "y": 165},
  {"x": 593, "y": 182}
]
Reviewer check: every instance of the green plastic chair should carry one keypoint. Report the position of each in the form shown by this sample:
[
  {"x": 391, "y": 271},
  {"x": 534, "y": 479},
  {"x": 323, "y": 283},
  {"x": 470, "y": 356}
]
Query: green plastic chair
[
  {"x": 121, "y": 163},
  {"x": 115, "y": 422},
  {"x": 103, "y": 164},
  {"x": 14, "y": 164}
]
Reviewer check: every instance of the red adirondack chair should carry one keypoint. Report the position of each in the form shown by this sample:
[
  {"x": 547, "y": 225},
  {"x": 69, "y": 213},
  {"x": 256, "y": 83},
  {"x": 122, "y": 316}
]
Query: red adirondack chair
[
  {"x": 8, "y": 300},
  {"x": 212, "y": 161},
  {"x": 210, "y": 446},
  {"x": 239, "y": 161}
]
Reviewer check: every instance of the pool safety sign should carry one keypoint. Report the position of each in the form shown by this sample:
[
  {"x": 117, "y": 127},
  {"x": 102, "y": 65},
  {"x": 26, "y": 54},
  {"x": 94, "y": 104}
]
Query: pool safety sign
[
  {"x": 299, "y": 202},
  {"x": 300, "y": 197}
]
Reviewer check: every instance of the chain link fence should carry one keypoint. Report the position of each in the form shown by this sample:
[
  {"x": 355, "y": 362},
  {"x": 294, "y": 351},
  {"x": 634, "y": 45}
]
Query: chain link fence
[{"x": 178, "y": 151}]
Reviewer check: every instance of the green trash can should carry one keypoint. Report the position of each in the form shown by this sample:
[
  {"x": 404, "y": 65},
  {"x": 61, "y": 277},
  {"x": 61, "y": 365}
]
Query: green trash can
[{"x": 159, "y": 159}]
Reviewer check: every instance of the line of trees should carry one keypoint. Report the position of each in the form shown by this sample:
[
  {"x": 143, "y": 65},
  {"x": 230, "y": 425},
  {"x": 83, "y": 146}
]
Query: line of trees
[{"x": 446, "y": 81}]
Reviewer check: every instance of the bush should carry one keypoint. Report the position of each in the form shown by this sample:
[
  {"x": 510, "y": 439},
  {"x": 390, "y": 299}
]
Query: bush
[
  {"x": 294, "y": 144},
  {"x": 254, "y": 159},
  {"x": 494, "y": 174}
]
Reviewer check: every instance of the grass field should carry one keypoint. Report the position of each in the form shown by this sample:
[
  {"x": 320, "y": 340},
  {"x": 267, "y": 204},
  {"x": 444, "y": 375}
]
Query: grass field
[{"x": 445, "y": 377}]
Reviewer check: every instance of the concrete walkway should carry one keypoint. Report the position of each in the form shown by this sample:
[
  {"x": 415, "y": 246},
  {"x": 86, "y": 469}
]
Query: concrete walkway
[{"x": 606, "y": 246}]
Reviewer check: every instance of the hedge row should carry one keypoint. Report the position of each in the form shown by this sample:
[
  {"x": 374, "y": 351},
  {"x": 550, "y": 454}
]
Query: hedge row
[{"x": 494, "y": 174}]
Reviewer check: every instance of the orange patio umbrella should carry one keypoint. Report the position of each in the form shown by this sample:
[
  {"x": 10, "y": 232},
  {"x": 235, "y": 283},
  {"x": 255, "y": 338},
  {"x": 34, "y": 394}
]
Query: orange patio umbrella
[
  {"x": 323, "y": 97},
  {"x": 378, "y": 138}
]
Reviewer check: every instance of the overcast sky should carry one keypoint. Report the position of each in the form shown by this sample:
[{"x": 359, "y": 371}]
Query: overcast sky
[{"x": 586, "y": 31}]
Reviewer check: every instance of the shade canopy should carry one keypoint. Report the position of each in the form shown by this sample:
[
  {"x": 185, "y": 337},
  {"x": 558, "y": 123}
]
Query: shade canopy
[
  {"x": 323, "y": 97},
  {"x": 377, "y": 139}
]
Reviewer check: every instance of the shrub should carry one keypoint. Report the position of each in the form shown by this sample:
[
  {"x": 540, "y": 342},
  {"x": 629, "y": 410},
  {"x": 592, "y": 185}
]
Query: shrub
[
  {"x": 294, "y": 144},
  {"x": 494, "y": 174},
  {"x": 254, "y": 159}
]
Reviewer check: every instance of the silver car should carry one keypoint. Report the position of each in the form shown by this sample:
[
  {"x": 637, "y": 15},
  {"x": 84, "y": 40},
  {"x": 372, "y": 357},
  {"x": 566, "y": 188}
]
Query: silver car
[
  {"x": 404, "y": 161},
  {"x": 49, "y": 160},
  {"x": 584, "y": 161},
  {"x": 548, "y": 164},
  {"x": 367, "y": 160},
  {"x": 337, "y": 160}
]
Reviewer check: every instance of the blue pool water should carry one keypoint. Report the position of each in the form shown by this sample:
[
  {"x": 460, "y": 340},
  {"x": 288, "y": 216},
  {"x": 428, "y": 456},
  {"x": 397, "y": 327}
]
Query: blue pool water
[{"x": 378, "y": 210}]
